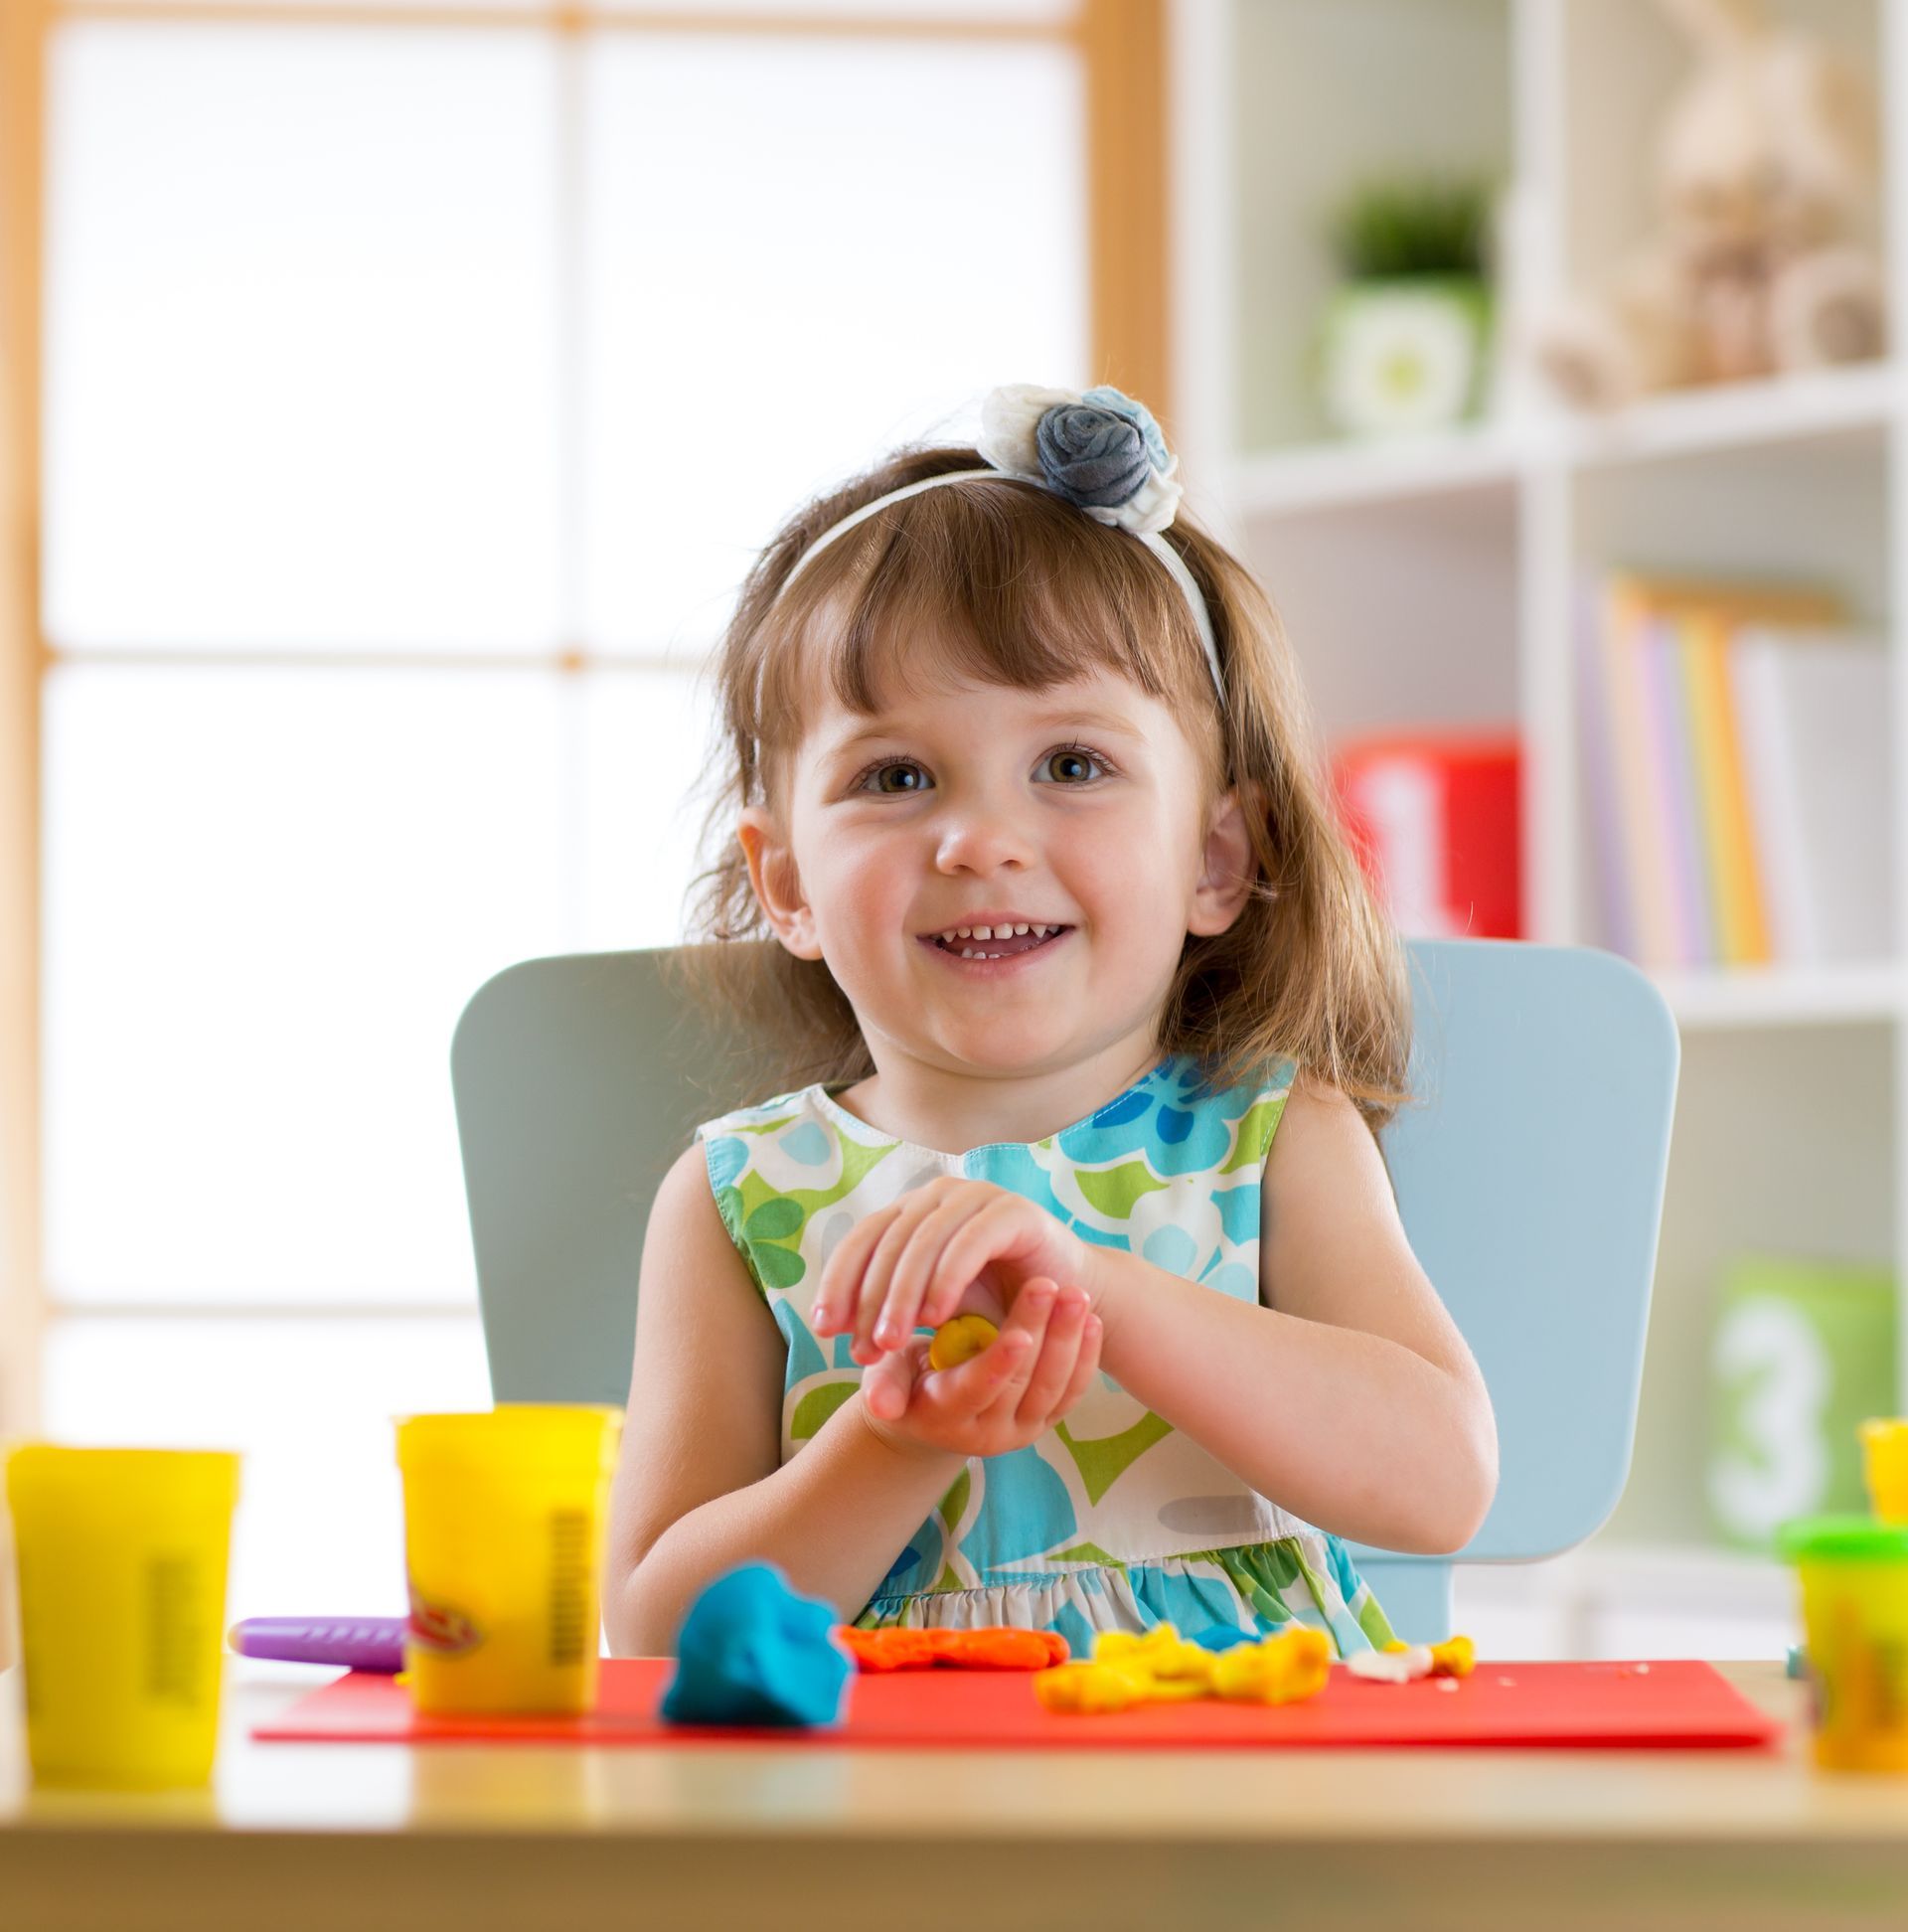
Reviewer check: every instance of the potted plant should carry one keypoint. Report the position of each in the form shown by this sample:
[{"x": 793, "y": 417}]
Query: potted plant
[{"x": 1402, "y": 344}]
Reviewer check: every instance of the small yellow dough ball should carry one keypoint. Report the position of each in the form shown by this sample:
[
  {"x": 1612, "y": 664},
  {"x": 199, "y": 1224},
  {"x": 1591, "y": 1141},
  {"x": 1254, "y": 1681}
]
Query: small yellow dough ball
[{"x": 954, "y": 1341}]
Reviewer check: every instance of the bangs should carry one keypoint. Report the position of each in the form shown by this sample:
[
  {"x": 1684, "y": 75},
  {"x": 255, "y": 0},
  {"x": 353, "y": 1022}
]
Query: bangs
[{"x": 984, "y": 583}]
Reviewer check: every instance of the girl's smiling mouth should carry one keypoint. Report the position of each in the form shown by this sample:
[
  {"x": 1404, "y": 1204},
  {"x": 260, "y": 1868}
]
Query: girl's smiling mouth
[{"x": 1002, "y": 947}]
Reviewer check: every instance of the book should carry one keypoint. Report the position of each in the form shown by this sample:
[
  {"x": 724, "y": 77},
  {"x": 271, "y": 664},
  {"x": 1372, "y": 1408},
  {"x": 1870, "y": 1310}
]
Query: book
[
  {"x": 1816, "y": 712},
  {"x": 1741, "y": 917},
  {"x": 1600, "y": 778},
  {"x": 1652, "y": 919},
  {"x": 1664, "y": 760},
  {"x": 1673, "y": 775}
]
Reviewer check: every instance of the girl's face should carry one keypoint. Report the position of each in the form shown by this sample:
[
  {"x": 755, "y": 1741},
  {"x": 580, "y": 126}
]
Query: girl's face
[{"x": 1080, "y": 806}]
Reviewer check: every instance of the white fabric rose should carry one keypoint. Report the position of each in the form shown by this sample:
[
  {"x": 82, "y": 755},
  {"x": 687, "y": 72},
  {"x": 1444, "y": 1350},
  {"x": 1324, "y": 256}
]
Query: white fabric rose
[{"x": 1008, "y": 418}]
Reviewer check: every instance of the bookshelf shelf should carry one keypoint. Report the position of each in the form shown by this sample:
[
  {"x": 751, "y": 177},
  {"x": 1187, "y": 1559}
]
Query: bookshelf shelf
[
  {"x": 1787, "y": 408},
  {"x": 1321, "y": 475},
  {"x": 1438, "y": 582},
  {"x": 1742, "y": 415},
  {"x": 1786, "y": 995}
]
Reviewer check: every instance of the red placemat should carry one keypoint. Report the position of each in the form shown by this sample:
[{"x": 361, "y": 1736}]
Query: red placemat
[{"x": 1677, "y": 1703}]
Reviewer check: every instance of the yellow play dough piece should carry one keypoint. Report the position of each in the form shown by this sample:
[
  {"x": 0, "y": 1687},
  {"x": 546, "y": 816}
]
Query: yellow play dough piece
[
  {"x": 1126, "y": 1670},
  {"x": 1089, "y": 1688},
  {"x": 1456, "y": 1658},
  {"x": 1161, "y": 1667},
  {"x": 1162, "y": 1654},
  {"x": 954, "y": 1341},
  {"x": 1286, "y": 1668}
]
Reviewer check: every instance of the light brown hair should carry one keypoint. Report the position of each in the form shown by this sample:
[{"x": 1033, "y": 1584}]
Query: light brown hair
[{"x": 1009, "y": 584}]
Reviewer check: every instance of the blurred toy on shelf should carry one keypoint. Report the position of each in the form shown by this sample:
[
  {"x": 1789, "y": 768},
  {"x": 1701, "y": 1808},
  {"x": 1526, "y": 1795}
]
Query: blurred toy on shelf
[
  {"x": 1433, "y": 816},
  {"x": 1402, "y": 347},
  {"x": 1766, "y": 169}
]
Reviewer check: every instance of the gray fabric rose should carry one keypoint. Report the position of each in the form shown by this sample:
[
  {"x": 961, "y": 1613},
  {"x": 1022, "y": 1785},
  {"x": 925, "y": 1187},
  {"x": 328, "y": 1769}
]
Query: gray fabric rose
[
  {"x": 1101, "y": 451},
  {"x": 1092, "y": 457}
]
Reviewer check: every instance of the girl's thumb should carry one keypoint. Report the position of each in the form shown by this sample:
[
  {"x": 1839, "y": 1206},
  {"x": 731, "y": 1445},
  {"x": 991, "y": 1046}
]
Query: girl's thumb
[{"x": 887, "y": 1385}]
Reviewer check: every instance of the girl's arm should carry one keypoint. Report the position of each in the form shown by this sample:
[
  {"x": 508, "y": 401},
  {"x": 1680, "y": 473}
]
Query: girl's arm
[
  {"x": 699, "y": 1487},
  {"x": 1350, "y": 1397}
]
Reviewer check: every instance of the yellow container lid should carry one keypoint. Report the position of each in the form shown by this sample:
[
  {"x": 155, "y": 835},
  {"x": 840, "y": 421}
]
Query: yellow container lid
[{"x": 522, "y": 1431}]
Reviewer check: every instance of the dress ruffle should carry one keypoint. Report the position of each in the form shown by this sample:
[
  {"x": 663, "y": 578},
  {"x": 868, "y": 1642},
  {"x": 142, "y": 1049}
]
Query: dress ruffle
[{"x": 1254, "y": 1587}]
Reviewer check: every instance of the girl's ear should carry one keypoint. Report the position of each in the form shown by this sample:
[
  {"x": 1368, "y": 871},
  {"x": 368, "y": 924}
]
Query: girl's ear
[
  {"x": 1225, "y": 870},
  {"x": 776, "y": 883}
]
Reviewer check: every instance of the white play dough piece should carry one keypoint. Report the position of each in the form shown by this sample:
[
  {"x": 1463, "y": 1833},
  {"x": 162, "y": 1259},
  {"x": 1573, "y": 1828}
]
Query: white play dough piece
[{"x": 1392, "y": 1667}]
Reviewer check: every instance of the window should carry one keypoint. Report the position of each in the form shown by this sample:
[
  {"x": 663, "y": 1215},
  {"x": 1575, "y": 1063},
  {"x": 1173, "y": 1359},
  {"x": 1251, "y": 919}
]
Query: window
[{"x": 415, "y": 395}]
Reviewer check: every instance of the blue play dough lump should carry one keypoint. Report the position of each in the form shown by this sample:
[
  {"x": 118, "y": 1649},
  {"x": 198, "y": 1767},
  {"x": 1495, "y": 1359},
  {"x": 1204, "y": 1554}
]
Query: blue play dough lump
[
  {"x": 752, "y": 1652},
  {"x": 1224, "y": 1637}
]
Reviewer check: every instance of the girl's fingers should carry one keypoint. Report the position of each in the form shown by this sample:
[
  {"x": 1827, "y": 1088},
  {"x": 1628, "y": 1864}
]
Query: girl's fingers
[
  {"x": 835, "y": 1299},
  {"x": 961, "y": 1394},
  {"x": 971, "y": 1246},
  {"x": 871, "y": 1291},
  {"x": 1053, "y": 1369},
  {"x": 1001, "y": 1370},
  {"x": 909, "y": 1279},
  {"x": 1032, "y": 1314},
  {"x": 1086, "y": 1365},
  {"x": 886, "y": 1385},
  {"x": 889, "y": 1385}
]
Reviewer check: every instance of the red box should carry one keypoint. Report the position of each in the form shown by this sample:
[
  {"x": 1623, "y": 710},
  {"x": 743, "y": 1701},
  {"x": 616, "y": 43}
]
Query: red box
[{"x": 1434, "y": 819}]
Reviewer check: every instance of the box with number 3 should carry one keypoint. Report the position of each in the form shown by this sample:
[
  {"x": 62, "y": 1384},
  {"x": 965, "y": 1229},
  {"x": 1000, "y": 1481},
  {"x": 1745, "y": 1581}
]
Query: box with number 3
[{"x": 1803, "y": 1352}]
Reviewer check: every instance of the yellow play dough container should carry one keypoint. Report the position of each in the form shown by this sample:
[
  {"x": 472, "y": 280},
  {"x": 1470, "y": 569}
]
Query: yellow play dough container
[
  {"x": 1855, "y": 1613},
  {"x": 505, "y": 1514},
  {"x": 122, "y": 1557},
  {"x": 1884, "y": 1454}
]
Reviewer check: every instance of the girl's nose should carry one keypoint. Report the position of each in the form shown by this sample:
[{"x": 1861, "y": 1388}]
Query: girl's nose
[{"x": 981, "y": 839}]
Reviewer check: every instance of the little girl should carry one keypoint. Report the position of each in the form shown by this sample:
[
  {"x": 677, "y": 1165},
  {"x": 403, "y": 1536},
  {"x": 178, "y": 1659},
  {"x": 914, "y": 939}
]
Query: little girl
[{"x": 1100, "y": 1022}]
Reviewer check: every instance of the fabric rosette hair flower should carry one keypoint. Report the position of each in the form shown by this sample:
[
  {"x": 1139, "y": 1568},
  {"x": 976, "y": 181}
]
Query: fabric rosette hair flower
[{"x": 1099, "y": 449}]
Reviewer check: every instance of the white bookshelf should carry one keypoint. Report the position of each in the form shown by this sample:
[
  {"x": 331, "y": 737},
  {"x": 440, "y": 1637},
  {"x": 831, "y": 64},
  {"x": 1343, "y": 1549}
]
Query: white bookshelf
[{"x": 1431, "y": 582}]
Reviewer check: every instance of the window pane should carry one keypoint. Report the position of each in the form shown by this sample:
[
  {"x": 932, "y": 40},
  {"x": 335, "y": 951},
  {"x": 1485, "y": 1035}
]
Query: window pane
[
  {"x": 300, "y": 343},
  {"x": 320, "y": 1523},
  {"x": 269, "y": 894},
  {"x": 647, "y": 737},
  {"x": 800, "y": 252}
]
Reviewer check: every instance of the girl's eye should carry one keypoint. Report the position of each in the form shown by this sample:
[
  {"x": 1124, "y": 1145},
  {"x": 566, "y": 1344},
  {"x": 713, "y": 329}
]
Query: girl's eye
[
  {"x": 1068, "y": 761},
  {"x": 1071, "y": 764},
  {"x": 880, "y": 773}
]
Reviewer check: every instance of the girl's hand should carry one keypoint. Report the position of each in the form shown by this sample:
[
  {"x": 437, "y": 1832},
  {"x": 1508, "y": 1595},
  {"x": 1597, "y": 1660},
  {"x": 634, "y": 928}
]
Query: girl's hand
[
  {"x": 950, "y": 1247},
  {"x": 999, "y": 1401}
]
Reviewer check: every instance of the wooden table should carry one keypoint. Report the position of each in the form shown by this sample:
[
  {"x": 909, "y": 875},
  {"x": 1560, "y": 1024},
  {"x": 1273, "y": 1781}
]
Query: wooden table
[{"x": 365, "y": 1836}]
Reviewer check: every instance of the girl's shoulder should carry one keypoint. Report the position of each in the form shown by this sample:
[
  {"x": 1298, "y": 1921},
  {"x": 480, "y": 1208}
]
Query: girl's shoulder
[{"x": 760, "y": 1117}]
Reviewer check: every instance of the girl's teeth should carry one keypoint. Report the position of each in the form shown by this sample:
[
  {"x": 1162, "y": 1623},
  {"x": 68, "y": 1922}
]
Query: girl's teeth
[{"x": 1039, "y": 934}]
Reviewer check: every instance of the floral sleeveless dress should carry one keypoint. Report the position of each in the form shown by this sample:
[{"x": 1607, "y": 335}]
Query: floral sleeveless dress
[{"x": 1112, "y": 1520}]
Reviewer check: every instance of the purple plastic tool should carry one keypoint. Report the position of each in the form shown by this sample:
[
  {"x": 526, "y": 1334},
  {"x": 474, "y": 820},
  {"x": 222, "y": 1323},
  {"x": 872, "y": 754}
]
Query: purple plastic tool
[{"x": 363, "y": 1643}]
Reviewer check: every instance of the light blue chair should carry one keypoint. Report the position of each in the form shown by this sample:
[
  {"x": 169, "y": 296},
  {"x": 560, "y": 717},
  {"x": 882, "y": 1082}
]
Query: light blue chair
[{"x": 1529, "y": 1182}]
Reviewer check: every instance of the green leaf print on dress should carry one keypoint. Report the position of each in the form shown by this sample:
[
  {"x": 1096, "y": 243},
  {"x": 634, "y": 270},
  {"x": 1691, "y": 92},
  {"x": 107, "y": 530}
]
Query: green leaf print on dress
[
  {"x": 1113, "y": 1519},
  {"x": 1104, "y": 1461}
]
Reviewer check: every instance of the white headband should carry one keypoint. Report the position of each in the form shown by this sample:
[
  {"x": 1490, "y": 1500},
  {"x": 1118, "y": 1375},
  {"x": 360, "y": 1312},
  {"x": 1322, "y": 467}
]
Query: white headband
[{"x": 1100, "y": 450}]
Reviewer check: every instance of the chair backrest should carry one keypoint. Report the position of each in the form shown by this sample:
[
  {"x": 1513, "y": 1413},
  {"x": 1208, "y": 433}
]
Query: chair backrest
[{"x": 1529, "y": 1178}]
